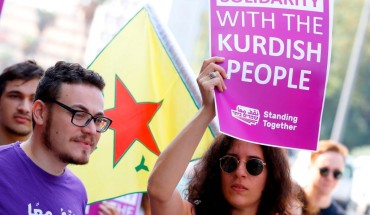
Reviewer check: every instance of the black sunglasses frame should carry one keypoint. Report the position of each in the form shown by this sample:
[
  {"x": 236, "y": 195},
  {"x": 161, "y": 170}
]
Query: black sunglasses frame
[
  {"x": 324, "y": 172},
  {"x": 73, "y": 111},
  {"x": 254, "y": 166}
]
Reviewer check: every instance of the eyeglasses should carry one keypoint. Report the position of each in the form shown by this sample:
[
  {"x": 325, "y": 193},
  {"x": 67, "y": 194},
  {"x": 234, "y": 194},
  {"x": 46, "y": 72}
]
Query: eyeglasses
[
  {"x": 229, "y": 164},
  {"x": 82, "y": 118},
  {"x": 324, "y": 171}
]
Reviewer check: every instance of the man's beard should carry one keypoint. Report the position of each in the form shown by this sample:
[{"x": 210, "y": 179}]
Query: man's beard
[{"x": 63, "y": 157}]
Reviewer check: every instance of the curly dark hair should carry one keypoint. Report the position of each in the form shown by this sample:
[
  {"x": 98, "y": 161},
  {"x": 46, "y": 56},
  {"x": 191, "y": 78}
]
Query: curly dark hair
[
  {"x": 204, "y": 187},
  {"x": 63, "y": 72},
  {"x": 49, "y": 86}
]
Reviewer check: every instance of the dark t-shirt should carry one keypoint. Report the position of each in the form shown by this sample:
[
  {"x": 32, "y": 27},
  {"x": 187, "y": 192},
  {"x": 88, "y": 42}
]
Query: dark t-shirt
[{"x": 333, "y": 209}]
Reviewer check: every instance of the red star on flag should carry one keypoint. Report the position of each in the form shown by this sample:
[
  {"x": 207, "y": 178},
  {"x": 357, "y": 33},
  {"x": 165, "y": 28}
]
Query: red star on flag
[{"x": 131, "y": 122}]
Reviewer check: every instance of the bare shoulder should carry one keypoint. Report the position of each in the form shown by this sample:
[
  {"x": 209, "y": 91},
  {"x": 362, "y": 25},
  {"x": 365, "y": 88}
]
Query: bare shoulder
[{"x": 175, "y": 205}]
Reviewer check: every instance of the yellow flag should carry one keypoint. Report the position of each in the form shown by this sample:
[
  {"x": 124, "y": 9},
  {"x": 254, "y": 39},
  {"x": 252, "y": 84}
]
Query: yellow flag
[{"x": 150, "y": 95}]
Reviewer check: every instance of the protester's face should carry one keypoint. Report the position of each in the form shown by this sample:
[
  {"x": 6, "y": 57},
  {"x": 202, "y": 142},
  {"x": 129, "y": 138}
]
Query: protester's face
[
  {"x": 16, "y": 106},
  {"x": 333, "y": 161},
  {"x": 70, "y": 143},
  {"x": 241, "y": 189}
]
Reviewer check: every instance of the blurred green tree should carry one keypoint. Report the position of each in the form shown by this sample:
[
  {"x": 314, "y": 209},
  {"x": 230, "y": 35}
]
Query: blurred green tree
[{"x": 356, "y": 128}]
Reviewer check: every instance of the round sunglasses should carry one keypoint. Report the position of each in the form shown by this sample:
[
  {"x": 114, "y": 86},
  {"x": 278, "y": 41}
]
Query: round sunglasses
[
  {"x": 324, "y": 171},
  {"x": 229, "y": 164}
]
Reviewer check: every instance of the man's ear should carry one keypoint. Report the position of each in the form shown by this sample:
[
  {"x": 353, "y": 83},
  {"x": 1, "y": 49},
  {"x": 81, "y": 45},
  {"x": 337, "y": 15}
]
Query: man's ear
[{"x": 39, "y": 112}]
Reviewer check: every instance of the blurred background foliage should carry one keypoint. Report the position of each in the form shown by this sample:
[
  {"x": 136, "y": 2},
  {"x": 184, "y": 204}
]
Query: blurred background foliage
[{"x": 356, "y": 127}]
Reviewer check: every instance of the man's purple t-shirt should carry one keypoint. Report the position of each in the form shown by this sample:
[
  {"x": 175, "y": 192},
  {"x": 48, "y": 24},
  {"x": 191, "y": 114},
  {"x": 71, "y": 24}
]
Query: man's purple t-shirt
[{"x": 27, "y": 189}]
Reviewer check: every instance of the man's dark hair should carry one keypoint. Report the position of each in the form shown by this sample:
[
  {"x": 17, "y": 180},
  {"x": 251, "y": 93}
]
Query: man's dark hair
[
  {"x": 63, "y": 72},
  {"x": 26, "y": 71}
]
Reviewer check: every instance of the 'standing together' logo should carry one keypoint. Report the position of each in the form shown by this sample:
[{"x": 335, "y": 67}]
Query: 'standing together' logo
[{"x": 247, "y": 115}]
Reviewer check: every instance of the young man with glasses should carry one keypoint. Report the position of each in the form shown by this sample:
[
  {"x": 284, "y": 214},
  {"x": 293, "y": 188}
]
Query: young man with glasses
[
  {"x": 18, "y": 84},
  {"x": 68, "y": 119},
  {"x": 326, "y": 168}
]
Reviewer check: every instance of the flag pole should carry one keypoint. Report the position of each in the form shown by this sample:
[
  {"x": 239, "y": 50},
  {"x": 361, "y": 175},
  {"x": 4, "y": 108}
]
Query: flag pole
[
  {"x": 344, "y": 99},
  {"x": 180, "y": 61}
]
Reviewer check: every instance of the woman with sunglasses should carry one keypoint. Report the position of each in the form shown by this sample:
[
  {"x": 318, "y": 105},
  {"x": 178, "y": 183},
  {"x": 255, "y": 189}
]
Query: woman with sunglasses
[
  {"x": 326, "y": 168},
  {"x": 233, "y": 177}
]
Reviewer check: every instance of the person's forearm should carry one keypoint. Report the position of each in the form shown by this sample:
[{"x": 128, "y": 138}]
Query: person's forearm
[{"x": 174, "y": 160}]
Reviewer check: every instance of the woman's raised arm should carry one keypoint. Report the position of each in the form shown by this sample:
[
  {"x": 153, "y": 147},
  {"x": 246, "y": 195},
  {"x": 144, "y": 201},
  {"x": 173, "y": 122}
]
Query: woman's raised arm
[{"x": 173, "y": 161}]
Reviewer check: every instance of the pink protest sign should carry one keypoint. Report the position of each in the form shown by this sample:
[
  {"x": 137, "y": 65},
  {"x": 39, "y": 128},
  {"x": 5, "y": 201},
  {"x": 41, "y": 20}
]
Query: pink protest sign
[
  {"x": 1, "y": 5},
  {"x": 277, "y": 60},
  {"x": 126, "y": 205}
]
